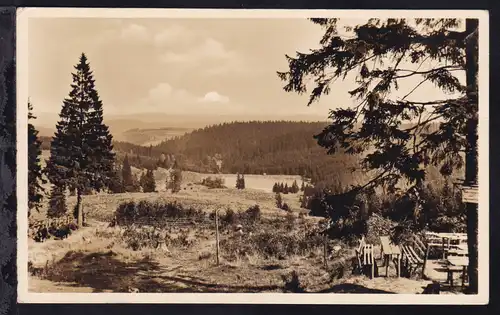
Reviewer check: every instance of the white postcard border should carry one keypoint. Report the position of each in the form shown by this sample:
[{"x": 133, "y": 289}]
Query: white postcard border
[{"x": 23, "y": 16}]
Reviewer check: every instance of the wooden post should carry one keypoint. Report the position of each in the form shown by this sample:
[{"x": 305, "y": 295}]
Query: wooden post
[
  {"x": 217, "y": 236},
  {"x": 372, "y": 260},
  {"x": 325, "y": 250},
  {"x": 444, "y": 256},
  {"x": 425, "y": 260},
  {"x": 399, "y": 265},
  {"x": 386, "y": 263}
]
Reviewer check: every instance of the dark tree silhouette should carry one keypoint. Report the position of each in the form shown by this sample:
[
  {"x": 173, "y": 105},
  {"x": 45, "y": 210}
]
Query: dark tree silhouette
[
  {"x": 242, "y": 185},
  {"x": 148, "y": 182},
  {"x": 279, "y": 201},
  {"x": 275, "y": 188},
  {"x": 174, "y": 181},
  {"x": 395, "y": 134},
  {"x": 240, "y": 181},
  {"x": 57, "y": 203},
  {"x": 117, "y": 186},
  {"x": 35, "y": 178},
  {"x": 130, "y": 183},
  {"x": 80, "y": 151}
]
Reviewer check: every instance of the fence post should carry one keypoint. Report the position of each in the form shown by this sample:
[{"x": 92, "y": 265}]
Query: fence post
[
  {"x": 217, "y": 235},
  {"x": 325, "y": 250}
]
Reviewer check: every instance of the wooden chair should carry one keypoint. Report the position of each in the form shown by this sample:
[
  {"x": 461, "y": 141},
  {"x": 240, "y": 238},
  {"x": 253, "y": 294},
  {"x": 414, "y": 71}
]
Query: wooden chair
[
  {"x": 364, "y": 254},
  {"x": 415, "y": 254}
]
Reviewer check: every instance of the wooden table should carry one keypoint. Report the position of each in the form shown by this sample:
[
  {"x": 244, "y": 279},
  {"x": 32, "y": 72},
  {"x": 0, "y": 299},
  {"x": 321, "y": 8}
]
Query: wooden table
[
  {"x": 389, "y": 252},
  {"x": 459, "y": 250},
  {"x": 457, "y": 264},
  {"x": 448, "y": 240}
]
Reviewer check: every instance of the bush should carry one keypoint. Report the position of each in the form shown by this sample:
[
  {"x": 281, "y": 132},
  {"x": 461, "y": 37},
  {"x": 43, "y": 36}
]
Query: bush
[
  {"x": 213, "y": 183},
  {"x": 273, "y": 242},
  {"x": 286, "y": 207},
  {"x": 252, "y": 214},
  {"x": 57, "y": 229},
  {"x": 229, "y": 217},
  {"x": 154, "y": 212},
  {"x": 137, "y": 239}
]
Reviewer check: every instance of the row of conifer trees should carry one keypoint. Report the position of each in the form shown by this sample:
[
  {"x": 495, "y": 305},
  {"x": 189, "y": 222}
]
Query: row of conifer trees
[
  {"x": 285, "y": 189},
  {"x": 81, "y": 159}
]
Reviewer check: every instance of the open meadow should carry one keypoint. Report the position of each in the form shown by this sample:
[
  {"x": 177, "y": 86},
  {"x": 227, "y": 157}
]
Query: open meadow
[{"x": 276, "y": 250}]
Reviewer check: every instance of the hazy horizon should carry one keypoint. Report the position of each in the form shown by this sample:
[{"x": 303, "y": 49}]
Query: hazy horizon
[{"x": 181, "y": 72}]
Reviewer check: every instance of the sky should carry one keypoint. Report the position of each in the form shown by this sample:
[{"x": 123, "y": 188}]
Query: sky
[{"x": 178, "y": 66}]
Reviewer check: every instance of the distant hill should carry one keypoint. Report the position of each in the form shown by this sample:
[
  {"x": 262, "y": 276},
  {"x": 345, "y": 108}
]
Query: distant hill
[
  {"x": 139, "y": 136},
  {"x": 257, "y": 147},
  {"x": 148, "y": 137}
]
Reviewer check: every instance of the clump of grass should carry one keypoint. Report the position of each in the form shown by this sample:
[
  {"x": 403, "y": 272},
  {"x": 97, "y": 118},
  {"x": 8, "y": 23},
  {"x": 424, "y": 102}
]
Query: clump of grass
[
  {"x": 204, "y": 255},
  {"x": 279, "y": 239}
]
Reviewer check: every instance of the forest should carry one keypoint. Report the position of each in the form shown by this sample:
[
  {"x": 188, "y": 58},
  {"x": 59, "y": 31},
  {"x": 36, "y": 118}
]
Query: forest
[{"x": 256, "y": 147}]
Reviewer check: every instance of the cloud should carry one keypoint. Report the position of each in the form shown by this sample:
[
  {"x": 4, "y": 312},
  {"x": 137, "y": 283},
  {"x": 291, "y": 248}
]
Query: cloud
[
  {"x": 164, "y": 97},
  {"x": 214, "y": 97},
  {"x": 165, "y": 91},
  {"x": 181, "y": 46},
  {"x": 135, "y": 32},
  {"x": 174, "y": 34},
  {"x": 209, "y": 49}
]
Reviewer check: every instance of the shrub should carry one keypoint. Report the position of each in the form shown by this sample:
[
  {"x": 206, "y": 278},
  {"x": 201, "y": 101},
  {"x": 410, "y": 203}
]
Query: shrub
[
  {"x": 253, "y": 214},
  {"x": 154, "y": 212},
  {"x": 279, "y": 201},
  {"x": 273, "y": 242},
  {"x": 213, "y": 183},
  {"x": 286, "y": 207},
  {"x": 229, "y": 217}
]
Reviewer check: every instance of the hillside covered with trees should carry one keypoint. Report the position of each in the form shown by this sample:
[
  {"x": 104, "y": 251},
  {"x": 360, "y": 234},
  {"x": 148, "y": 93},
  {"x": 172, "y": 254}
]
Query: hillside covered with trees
[
  {"x": 271, "y": 147},
  {"x": 256, "y": 147}
]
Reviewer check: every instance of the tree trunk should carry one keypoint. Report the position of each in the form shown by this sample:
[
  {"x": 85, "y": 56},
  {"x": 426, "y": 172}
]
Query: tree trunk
[
  {"x": 471, "y": 163},
  {"x": 79, "y": 210}
]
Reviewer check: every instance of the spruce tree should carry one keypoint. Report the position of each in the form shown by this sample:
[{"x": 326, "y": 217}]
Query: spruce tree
[
  {"x": 35, "y": 178},
  {"x": 99, "y": 142},
  {"x": 80, "y": 152},
  {"x": 242, "y": 182},
  {"x": 302, "y": 187},
  {"x": 127, "y": 177},
  {"x": 286, "y": 189},
  {"x": 175, "y": 179},
  {"x": 275, "y": 188},
  {"x": 116, "y": 185},
  {"x": 295, "y": 187},
  {"x": 142, "y": 181},
  {"x": 57, "y": 203},
  {"x": 149, "y": 183},
  {"x": 238, "y": 181}
]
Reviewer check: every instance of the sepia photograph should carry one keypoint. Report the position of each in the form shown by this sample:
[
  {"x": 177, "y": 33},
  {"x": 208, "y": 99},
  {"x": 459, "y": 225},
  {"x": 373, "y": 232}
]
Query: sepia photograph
[{"x": 271, "y": 152}]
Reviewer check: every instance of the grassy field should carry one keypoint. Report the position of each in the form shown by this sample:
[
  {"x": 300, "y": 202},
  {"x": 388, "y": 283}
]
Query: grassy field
[{"x": 101, "y": 258}]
